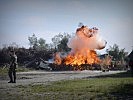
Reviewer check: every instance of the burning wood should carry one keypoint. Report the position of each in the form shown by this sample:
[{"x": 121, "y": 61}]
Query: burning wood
[{"x": 83, "y": 46}]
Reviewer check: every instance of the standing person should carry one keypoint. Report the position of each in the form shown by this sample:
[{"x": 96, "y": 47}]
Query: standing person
[{"x": 12, "y": 69}]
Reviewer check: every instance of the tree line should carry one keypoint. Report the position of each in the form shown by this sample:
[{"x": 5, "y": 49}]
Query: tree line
[{"x": 39, "y": 48}]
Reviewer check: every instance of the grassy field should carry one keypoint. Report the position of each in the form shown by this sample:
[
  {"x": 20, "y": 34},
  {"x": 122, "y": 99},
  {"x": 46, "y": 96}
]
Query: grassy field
[
  {"x": 4, "y": 70},
  {"x": 113, "y": 87}
]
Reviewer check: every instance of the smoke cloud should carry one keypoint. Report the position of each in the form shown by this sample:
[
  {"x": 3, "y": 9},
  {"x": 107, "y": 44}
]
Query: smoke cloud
[{"x": 86, "y": 38}]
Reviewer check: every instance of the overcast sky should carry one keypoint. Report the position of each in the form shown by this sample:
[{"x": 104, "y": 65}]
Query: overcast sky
[{"x": 46, "y": 18}]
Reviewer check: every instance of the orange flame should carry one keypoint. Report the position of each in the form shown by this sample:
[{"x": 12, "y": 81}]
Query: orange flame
[
  {"x": 57, "y": 58},
  {"x": 83, "y": 46},
  {"x": 85, "y": 56}
]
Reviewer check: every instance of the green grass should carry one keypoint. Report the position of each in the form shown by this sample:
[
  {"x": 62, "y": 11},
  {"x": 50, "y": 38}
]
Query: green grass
[
  {"x": 111, "y": 87},
  {"x": 118, "y": 75},
  {"x": 4, "y": 70},
  {"x": 81, "y": 89},
  {"x": 103, "y": 88}
]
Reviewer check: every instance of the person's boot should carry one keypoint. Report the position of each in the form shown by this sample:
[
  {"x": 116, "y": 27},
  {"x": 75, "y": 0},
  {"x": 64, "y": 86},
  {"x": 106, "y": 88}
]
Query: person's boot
[
  {"x": 14, "y": 81},
  {"x": 14, "y": 77},
  {"x": 10, "y": 81}
]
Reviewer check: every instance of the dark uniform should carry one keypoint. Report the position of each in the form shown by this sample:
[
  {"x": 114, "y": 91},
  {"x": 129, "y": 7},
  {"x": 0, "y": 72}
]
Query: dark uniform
[{"x": 12, "y": 69}]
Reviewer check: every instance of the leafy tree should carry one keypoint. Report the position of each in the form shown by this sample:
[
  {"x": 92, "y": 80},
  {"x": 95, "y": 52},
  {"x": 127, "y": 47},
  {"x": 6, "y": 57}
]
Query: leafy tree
[
  {"x": 42, "y": 44},
  {"x": 56, "y": 39},
  {"x": 33, "y": 41},
  {"x": 24, "y": 55},
  {"x": 5, "y": 53},
  {"x": 116, "y": 53},
  {"x": 62, "y": 46},
  {"x": 37, "y": 44},
  {"x": 4, "y": 56},
  {"x": 60, "y": 41}
]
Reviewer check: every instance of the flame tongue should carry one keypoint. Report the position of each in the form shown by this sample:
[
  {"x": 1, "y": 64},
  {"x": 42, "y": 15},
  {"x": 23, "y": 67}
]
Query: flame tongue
[
  {"x": 83, "y": 46},
  {"x": 85, "y": 56}
]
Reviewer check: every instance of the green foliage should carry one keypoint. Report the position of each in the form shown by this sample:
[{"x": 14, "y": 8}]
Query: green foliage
[
  {"x": 60, "y": 41},
  {"x": 56, "y": 39},
  {"x": 37, "y": 44},
  {"x": 63, "y": 45},
  {"x": 33, "y": 40},
  {"x": 3, "y": 70},
  {"x": 41, "y": 41},
  {"x": 4, "y": 55},
  {"x": 38, "y": 48},
  {"x": 42, "y": 44},
  {"x": 116, "y": 53},
  {"x": 23, "y": 69}
]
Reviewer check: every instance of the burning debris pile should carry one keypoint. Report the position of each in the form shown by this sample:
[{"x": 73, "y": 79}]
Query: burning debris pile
[{"x": 83, "y": 46}]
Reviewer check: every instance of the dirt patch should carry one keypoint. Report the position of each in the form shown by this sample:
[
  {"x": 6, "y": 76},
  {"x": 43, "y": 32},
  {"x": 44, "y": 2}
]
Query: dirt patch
[{"x": 42, "y": 77}]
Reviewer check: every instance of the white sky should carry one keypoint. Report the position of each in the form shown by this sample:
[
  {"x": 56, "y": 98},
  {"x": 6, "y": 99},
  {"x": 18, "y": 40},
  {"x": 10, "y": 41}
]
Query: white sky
[{"x": 46, "y": 18}]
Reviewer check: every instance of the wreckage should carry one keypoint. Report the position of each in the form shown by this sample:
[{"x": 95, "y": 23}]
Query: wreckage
[
  {"x": 38, "y": 63},
  {"x": 82, "y": 55}
]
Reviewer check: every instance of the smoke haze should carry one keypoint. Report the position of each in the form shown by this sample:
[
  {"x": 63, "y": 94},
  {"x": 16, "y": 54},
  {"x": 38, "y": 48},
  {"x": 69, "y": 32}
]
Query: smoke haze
[{"x": 86, "y": 38}]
